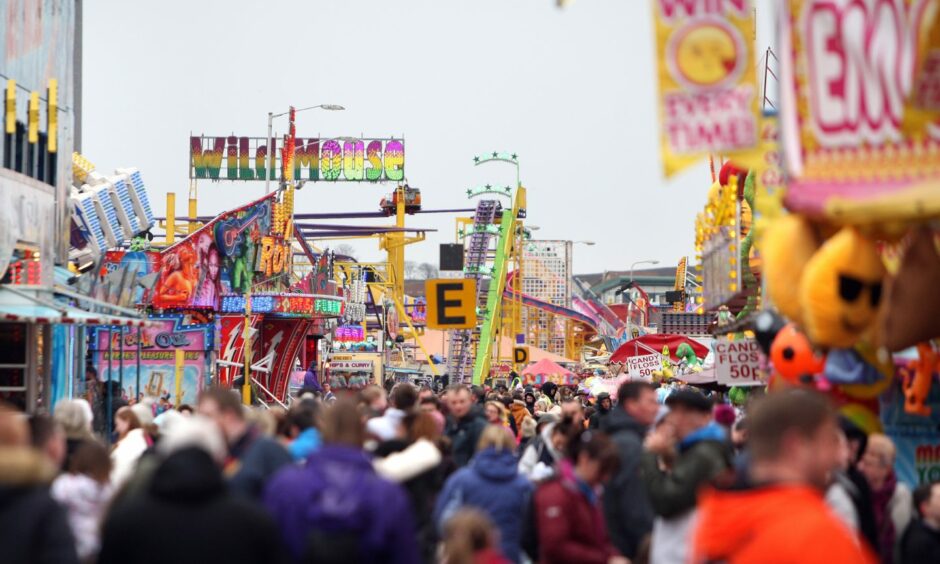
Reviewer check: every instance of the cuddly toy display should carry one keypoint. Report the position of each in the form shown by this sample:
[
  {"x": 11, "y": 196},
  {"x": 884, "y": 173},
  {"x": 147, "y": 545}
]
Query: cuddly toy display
[
  {"x": 787, "y": 246},
  {"x": 840, "y": 290},
  {"x": 793, "y": 357}
]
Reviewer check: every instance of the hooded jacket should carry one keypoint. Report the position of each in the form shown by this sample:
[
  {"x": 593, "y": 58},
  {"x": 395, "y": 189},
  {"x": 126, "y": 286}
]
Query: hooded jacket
[
  {"x": 253, "y": 459},
  {"x": 519, "y": 412},
  {"x": 85, "y": 500},
  {"x": 597, "y": 420},
  {"x": 187, "y": 516},
  {"x": 704, "y": 455},
  {"x": 627, "y": 508},
  {"x": 33, "y": 527},
  {"x": 780, "y": 523},
  {"x": 570, "y": 522},
  {"x": 539, "y": 457},
  {"x": 336, "y": 505},
  {"x": 492, "y": 484}
]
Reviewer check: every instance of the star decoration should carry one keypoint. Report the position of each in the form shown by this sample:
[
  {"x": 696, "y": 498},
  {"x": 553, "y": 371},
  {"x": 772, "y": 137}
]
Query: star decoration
[
  {"x": 495, "y": 154},
  {"x": 476, "y": 159},
  {"x": 469, "y": 191},
  {"x": 488, "y": 186},
  {"x": 514, "y": 157}
]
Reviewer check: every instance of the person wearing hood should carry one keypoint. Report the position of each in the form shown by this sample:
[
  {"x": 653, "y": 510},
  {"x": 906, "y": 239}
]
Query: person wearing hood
[
  {"x": 603, "y": 408},
  {"x": 492, "y": 484},
  {"x": 780, "y": 515},
  {"x": 335, "y": 508},
  {"x": 518, "y": 410},
  {"x": 187, "y": 515},
  {"x": 627, "y": 508},
  {"x": 541, "y": 456},
  {"x": 301, "y": 422},
  {"x": 696, "y": 452},
  {"x": 528, "y": 399},
  {"x": 33, "y": 527},
  {"x": 548, "y": 390}
]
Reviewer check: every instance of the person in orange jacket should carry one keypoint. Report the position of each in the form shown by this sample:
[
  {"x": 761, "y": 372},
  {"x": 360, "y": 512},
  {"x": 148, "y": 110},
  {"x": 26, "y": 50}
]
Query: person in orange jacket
[{"x": 780, "y": 515}]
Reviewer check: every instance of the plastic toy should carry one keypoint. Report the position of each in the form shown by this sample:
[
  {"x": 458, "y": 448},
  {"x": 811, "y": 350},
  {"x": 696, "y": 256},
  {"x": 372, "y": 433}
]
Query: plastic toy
[{"x": 793, "y": 357}]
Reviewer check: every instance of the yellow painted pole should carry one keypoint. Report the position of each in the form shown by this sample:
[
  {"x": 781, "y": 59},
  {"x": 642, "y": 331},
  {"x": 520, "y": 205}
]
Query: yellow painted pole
[
  {"x": 246, "y": 338},
  {"x": 170, "y": 218},
  {"x": 178, "y": 375},
  {"x": 192, "y": 216}
]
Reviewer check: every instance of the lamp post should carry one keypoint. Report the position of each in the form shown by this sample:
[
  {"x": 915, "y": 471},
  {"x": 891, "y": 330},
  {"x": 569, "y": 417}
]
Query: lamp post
[
  {"x": 271, "y": 153},
  {"x": 629, "y": 321},
  {"x": 587, "y": 243}
]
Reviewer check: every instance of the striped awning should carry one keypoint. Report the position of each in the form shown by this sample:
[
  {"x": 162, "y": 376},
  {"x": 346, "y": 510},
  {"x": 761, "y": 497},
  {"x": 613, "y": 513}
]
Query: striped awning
[{"x": 31, "y": 304}]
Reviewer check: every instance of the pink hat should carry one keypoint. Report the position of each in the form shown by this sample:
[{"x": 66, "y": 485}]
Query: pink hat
[{"x": 724, "y": 414}]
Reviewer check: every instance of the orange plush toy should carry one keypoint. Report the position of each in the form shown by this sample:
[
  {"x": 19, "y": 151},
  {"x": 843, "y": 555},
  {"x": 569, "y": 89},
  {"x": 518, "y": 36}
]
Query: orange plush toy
[
  {"x": 840, "y": 290},
  {"x": 793, "y": 357},
  {"x": 917, "y": 388}
]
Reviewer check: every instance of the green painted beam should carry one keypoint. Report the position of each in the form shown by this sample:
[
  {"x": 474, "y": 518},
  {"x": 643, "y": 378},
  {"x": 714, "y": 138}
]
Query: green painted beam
[{"x": 494, "y": 297}]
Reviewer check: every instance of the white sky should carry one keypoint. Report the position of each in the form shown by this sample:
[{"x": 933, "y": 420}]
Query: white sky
[{"x": 571, "y": 91}]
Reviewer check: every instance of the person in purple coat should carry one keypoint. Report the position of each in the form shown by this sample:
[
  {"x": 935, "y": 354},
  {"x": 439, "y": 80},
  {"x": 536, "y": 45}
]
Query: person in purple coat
[{"x": 335, "y": 508}]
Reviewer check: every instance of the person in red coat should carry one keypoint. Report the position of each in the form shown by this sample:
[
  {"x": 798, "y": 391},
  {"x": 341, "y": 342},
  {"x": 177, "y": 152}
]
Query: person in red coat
[{"x": 568, "y": 513}]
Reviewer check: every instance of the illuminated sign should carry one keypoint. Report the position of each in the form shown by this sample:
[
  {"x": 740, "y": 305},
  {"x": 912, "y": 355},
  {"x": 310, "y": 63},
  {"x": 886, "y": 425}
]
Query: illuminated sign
[
  {"x": 349, "y": 334},
  {"x": 301, "y": 305},
  {"x": 328, "y": 307},
  {"x": 332, "y": 160},
  {"x": 273, "y": 256}
]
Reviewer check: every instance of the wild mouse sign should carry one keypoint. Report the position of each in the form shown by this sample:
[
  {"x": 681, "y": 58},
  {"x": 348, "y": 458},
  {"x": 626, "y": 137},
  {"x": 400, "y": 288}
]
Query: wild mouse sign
[{"x": 738, "y": 362}]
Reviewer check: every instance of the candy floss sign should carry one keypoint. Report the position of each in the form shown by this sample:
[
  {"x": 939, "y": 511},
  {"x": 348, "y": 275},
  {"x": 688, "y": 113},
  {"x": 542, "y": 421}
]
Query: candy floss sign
[
  {"x": 707, "y": 79},
  {"x": 642, "y": 366},
  {"x": 846, "y": 80}
]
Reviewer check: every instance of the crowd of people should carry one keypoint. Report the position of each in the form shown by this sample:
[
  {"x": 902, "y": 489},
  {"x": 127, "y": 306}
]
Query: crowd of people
[{"x": 464, "y": 475}]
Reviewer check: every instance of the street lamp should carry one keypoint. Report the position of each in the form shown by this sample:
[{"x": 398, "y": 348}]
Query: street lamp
[
  {"x": 271, "y": 155},
  {"x": 588, "y": 243}
]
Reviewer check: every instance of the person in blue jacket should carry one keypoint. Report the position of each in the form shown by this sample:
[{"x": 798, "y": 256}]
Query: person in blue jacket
[{"x": 492, "y": 484}]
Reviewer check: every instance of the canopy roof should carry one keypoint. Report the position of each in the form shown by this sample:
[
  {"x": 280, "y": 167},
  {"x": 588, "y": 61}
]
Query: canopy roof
[{"x": 653, "y": 344}]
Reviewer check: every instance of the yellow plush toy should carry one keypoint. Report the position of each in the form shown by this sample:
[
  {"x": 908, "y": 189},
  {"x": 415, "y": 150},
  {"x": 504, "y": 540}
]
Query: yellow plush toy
[
  {"x": 788, "y": 244},
  {"x": 840, "y": 289}
]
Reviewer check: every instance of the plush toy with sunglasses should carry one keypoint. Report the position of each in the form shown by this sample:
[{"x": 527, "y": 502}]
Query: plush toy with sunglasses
[{"x": 840, "y": 290}]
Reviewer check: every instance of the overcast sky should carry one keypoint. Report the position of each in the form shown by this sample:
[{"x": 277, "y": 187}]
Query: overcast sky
[{"x": 571, "y": 91}]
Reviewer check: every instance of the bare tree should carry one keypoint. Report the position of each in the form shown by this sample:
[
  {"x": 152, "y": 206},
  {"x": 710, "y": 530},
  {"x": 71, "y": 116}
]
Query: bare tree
[
  {"x": 427, "y": 271},
  {"x": 411, "y": 271},
  {"x": 346, "y": 250}
]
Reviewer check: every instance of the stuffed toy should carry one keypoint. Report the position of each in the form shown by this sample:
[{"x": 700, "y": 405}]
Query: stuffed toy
[
  {"x": 685, "y": 352},
  {"x": 793, "y": 357},
  {"x": 917, "y": 387},
  {"x": 840, "y": 290},
  {"x": 912, "y": 296},
  {"x": 787, "y": 246}
]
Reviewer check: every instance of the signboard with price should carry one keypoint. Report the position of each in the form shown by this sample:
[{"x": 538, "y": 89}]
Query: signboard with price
[
  {"x": 643, "y": 365},
  {"x": 738, "y": 362}
]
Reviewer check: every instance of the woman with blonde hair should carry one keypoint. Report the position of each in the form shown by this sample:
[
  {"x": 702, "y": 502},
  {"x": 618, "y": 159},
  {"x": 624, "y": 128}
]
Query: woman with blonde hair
[
  {"x": 469, "y": 538},
  {"x": 75, "y": 417},
  {"x": 492, "y": 484}
]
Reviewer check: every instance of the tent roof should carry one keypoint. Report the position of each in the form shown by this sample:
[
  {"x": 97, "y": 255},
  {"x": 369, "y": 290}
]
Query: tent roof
[
  {"x": 654, "y": 343},
  {"x": 437, "y": 343},
  {"x": 546, "y": 366}
]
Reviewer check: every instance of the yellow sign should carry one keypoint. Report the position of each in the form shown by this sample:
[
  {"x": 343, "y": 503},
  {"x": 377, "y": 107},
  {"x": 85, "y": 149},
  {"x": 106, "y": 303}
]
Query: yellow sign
[
  {"x": 452, "y": 304},
  {"x": 520, "y": 355},
  {"x": 709, "y": 101}
]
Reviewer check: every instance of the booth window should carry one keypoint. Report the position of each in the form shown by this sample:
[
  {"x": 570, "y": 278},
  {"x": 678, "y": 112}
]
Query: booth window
[{"x": 13, "y": 339}]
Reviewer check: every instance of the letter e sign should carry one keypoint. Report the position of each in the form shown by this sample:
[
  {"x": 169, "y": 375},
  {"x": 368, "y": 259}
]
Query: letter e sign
[{"x": 452, "y": 304}]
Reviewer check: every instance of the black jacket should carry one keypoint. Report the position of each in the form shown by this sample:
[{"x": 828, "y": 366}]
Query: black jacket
[
  {"x": 254, "y": 459},
  {"x": 33, "y": 527},
  {"x": 627, "y": 509},
  {"x": 920, "y": 543},
  {"x": 464, "y": 434},
  {"x": 188, "y": 516}
]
